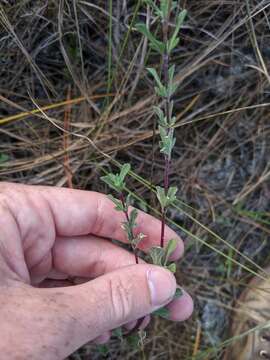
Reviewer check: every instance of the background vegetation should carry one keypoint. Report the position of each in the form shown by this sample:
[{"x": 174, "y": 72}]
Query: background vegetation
[{"x": 75, "y": 97}]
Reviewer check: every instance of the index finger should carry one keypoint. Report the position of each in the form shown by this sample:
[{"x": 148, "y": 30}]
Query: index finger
[{"x": 78, "y": 212}]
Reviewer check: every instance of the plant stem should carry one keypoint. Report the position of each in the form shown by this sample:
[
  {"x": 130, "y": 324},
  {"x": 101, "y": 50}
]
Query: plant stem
[
  {"x": 122, "y": 198},
  {"x": 165, "y": 31}
]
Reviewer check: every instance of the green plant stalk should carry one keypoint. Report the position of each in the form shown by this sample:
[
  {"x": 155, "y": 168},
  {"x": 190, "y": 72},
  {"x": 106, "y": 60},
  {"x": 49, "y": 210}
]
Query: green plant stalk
[{"x": 165, "y": 88}]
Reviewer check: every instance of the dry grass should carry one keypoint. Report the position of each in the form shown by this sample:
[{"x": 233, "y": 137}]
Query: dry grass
[{"x": 221, "y": 159}]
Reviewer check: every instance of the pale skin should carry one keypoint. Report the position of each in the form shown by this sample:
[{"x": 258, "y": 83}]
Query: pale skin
[{"x": 52, "y": 234}]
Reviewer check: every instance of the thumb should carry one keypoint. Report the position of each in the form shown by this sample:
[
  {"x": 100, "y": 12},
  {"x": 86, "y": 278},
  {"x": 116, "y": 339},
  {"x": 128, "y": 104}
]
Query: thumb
[{"x": 116, "y": 298}]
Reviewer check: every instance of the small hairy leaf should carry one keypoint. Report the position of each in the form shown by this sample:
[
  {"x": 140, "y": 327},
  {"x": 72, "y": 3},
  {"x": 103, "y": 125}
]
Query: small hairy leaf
[
  {"x": 157, "y": 255},
  {"x": 171, "y": 73},
  {"x": 154, "y": 6},
  {"x": 179, "y": 21},
  {"x": 133, "y": 340},
  {"x": 162, "y": 92},
  {"x": 154, "y": 43},
  {"x": 171, "y": 267},
  {"x": 173, "y": 121},
  {"x": 103, "y": 349},
  {"x": 113, "y": 182},
  {"x": 166, "y": 199},
  {"x": 165, "y": 8},
  {"x": 161, "y": 197},
  {"x": 178, "y": 293},
  {"x": 128, "y": 230},
  {"x": 172, "y": 192},
  {"x": 170, "y": 247},
  {"x": 155, "y": 75},
  {"x": 118, "y": 204},
  {"x": 173, "y": 43},
  {"x": 167, "y": 141},
  {"x": 162, "y": 119},
  {"x": 129, "y": 200},
  {"x": 162, "y": 312},
  {"x": 171, "y": 195},
  {"x": 124, "y": 171},
  {"x": 132, "y": 217},
  {"x": 172, "y": 89},
  {"x": 118, "y": 332},
  {"x": 163, "y": 132}
]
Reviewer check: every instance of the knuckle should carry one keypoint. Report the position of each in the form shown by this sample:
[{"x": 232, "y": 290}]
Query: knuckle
[{"x": 121, "y": 298}]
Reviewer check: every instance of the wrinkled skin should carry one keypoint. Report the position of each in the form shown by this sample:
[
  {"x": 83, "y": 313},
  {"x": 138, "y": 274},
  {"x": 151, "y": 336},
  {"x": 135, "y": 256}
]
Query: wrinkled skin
[{"x": 50, "y": 236}]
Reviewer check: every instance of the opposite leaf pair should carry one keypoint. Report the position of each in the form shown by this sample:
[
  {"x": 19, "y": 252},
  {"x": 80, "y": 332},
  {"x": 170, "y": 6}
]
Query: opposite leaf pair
[
  {"x": 160, "y": 256},
  {"x": 163, "y": 13}
]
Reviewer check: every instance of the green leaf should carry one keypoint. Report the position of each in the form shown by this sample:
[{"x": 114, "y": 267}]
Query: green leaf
[
  {"x": 173, "y": 42},
  {"x": 133, "y": 340},
  {"x": 116, "y": 181},
  {"x": 118, "y": 332},
  {"x": 171, "y": 267},
  {"x": 154, "y": 43},
  {"x": 129, "y": 200},
  {"x": 165, "y": 8},
  {"x": 171, "y": 73},
  {"x": 111, "y": 181},
  {"x": 161, "y": 197},
  {"x": 167, "y": 141},
  {"x": 154, "y": 73},
  {"x": 162, "y": 119},
  {"x": 157, "y": 255},
  {"x": 166, "y": 199},
  {"x": 171, "y": 195},
  {"x": 103, "y": 349},
  {"x": 160, "y": 89},
  {"x": 154, "y": 6},
  {"x": 172, "y": 86},
  {"x": 178, "y": 293},
  {"x": 170, "y": 248},
  {"x": 132, "y": 218},
  {"x": 172, "y": 192},
  {"x": 179, "y": 21},
  {"x": 162, "y": 92},
  {"x": 118, "y": 204},
  {"x": 172, "y": 89},
  {"x": 128, "y": 230},
  {"x": 163, "y": 132},
  {"x": 162, "y": 312},
  {"x": 173, "y": 121},
  {"x": 124, "y": 171}
]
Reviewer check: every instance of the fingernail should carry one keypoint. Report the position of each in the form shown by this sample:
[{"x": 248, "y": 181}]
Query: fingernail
[{"x": 162, "y": 286}]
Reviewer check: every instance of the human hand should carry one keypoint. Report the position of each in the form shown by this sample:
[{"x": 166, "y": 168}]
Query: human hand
[{"x": 57, "y": 233}]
